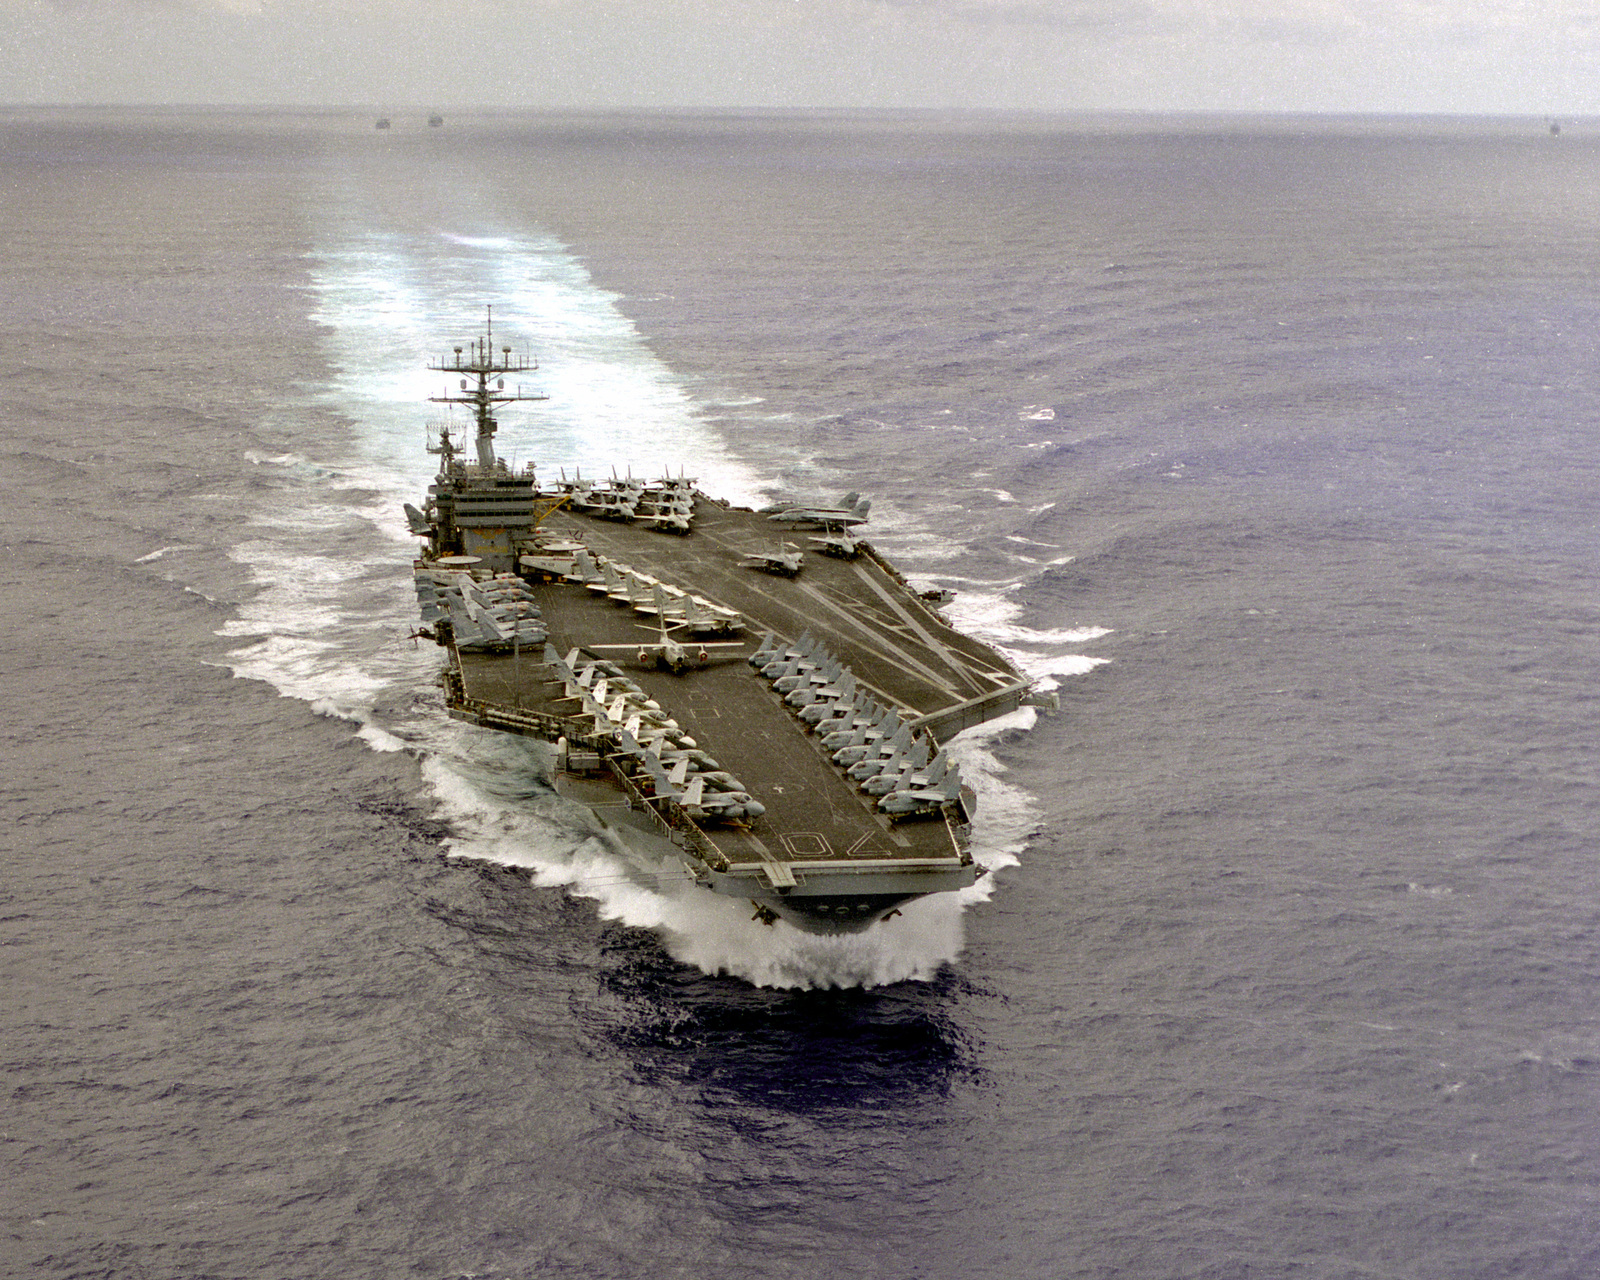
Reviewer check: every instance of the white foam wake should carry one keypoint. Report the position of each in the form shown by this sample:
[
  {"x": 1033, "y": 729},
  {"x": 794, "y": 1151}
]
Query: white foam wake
[
  {"x": 390, "y": 305},
  {"x": 487, "y": 790}
]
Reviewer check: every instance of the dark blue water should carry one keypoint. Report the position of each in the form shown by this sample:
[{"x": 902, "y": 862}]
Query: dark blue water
[{"x": 1271, "y": 443}]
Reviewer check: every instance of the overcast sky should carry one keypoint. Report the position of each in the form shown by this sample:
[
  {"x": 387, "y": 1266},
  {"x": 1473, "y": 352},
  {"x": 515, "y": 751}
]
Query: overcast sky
[{"x": 1533, "y": 57}]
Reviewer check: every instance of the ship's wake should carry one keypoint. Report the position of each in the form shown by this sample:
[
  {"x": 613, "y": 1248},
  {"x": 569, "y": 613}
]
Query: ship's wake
[{"x": 493, "y": 792}]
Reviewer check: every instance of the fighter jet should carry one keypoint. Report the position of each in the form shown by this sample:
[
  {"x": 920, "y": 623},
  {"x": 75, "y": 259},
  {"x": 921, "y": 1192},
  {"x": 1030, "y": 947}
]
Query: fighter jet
[
  {"x": 713, "y": 796},
  {"x": 922, "y": 802},
  {"x": 852, "y": 509},
  {"x": 577, "y": 489},
  {"x": 842, "y": 545},
  {"x": 782, "y": 562},
  {"x": 677, "y": 484},
  {"x": 614, "y": 504},
  {"x": 608, "y": 581},
  {"x": 701, "y": 616},
  {"x": 656, "y": 497},
  {"x": 627, "y": 486},
  {"x": 584, "y": 569},
  {"x": 667, "y": 520}
]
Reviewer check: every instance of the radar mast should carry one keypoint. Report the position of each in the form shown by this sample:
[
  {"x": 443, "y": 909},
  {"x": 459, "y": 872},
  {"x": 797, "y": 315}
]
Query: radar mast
[{"x": 477, "y": 364}]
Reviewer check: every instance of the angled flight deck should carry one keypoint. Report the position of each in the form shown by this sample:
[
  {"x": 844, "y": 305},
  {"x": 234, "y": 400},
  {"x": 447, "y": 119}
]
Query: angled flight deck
[{"x": 898, "y": 645}]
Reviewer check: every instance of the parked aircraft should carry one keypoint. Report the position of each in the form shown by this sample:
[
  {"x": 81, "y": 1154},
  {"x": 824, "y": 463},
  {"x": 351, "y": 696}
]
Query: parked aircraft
[
  {"x": 842, "y": 545},
  {"x": 670, "y": 654},
  {"x": 922, "y": 801},
  {"x": 852, "y": 509},
  {"x": 666, "y": 519},
  {"x": 783, "y": 562}
]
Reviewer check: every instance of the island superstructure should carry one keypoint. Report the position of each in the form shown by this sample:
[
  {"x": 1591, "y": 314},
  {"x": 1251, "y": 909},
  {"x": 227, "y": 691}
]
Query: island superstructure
[{"x": 757, "y": 701}]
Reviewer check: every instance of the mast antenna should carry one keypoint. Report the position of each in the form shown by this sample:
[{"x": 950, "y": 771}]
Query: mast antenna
[{"x": 476, "y": 390}]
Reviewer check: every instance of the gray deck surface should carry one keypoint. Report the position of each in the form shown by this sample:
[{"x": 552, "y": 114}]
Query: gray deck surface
[{"x": 897, "y": 647}]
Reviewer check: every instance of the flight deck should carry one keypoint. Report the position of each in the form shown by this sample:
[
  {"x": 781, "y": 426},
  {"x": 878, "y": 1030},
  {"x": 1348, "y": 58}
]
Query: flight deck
[
  {"x": 759, "y": 700},
  {"x": 816, "y": 819}
]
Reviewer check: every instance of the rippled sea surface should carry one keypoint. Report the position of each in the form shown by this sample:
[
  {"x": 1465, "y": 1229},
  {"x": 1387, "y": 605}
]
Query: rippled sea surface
[{"x": 1269, "y": 443}]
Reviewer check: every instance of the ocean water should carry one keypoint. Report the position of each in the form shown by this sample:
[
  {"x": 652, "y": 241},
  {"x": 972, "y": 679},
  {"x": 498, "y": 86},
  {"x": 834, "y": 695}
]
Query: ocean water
[{"x": 1269, "y": 443}]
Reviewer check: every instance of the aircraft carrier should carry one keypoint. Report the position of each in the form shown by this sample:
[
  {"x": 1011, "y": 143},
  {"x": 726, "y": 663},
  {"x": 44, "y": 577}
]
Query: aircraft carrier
[{"x": 754, "y": 700}]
